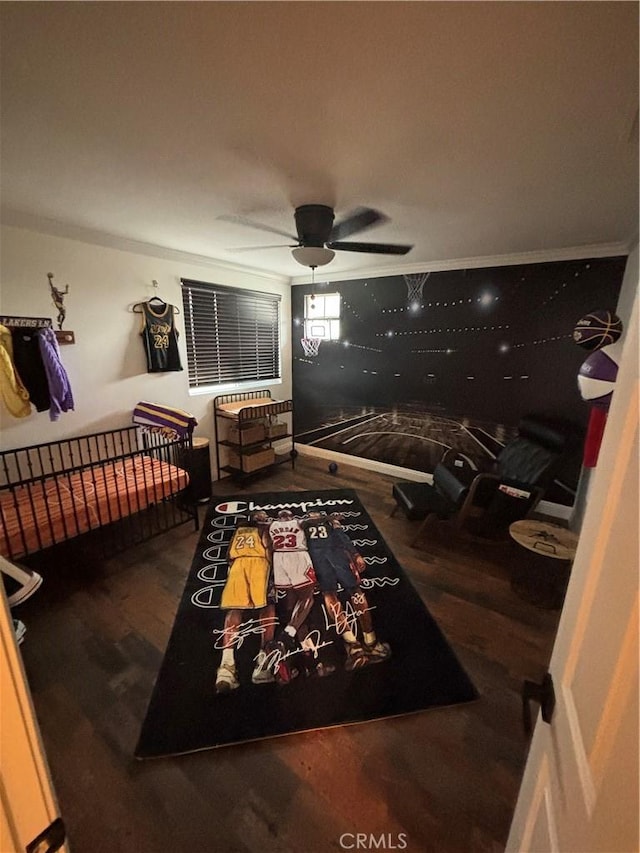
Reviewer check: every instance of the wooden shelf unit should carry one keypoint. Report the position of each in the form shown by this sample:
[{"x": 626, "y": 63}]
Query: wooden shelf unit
[{"x": 240, "y": 412}]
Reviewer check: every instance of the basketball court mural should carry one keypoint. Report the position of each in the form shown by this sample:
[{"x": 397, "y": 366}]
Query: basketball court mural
[{"x": 416, "y": 364}]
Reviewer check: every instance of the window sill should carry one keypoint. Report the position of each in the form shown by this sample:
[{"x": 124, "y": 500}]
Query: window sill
[{"x": 232, "y": 386}]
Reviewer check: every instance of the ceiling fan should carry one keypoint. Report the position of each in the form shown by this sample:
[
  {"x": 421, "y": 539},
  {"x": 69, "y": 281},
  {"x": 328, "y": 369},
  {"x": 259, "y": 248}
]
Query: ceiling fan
[{"x": 318, "y": 238}]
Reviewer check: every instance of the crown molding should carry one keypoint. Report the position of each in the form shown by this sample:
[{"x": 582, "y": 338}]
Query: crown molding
[
  {"x": 54, "y": 228},
  {"x": 539, "y": 256}
]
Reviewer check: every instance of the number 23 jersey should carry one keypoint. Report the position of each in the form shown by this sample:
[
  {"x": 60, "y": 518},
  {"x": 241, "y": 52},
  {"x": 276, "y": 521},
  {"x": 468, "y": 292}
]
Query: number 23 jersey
[
  {"x": 287, "y": 535},
  {"x": 292, "y": 566}
]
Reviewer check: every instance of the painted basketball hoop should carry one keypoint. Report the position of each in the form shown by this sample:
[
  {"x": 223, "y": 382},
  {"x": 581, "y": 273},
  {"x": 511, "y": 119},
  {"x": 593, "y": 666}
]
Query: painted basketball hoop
[
  {"x": 310, "y": 346},
  {"x": 415, "y": 282}
]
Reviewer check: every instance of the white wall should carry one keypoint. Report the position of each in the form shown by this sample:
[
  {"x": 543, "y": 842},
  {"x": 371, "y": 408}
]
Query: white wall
[
  {"x": 107, "y": 365},
  {"x": 629, "y": 288}
]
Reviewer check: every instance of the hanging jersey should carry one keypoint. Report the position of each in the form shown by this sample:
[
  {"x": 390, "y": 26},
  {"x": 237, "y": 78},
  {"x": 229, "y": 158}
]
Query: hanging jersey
[
  {"x": 160, "y": 339},
  {"x": 27, "y": 359},
  {"x": 13, "y": 392}
]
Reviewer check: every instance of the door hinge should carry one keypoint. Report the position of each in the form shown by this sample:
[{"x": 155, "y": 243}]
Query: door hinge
[
  {"x": 50, "y": 839},
  {"x": 544, "y": 695}
]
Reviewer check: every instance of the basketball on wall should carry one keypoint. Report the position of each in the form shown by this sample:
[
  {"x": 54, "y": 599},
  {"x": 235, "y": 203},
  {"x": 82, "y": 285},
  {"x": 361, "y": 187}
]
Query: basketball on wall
[
  {"x": 597, "y": 329},
  {"x": 597, "y": 376}
]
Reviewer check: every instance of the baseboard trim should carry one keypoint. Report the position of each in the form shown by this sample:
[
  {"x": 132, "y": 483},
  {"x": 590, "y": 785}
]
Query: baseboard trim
[
  {"x": 537, "y": 256},
  {"x": 556, "y": 510},
  {"x": 368, "y": 464},
  {"x": 544, "y": 507}
]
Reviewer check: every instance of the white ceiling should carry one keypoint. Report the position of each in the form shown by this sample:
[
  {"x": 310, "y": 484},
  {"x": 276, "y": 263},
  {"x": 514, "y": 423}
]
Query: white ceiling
[{"x": 480, "y": 129}]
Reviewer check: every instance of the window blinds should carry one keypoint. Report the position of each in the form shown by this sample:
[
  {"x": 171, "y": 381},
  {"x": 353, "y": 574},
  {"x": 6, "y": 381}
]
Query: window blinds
[{"x": 232, "y": 335}]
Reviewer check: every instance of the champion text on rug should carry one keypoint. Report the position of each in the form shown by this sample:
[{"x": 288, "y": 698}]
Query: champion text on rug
[{"x": 295, "y": 616}]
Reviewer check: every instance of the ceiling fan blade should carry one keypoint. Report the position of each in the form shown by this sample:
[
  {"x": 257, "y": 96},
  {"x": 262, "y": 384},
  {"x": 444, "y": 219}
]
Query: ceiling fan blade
[
  {"x": 361, "y": 218},
  {"x": 241, "y": 220},
  {"x": 375, "y": 248}
]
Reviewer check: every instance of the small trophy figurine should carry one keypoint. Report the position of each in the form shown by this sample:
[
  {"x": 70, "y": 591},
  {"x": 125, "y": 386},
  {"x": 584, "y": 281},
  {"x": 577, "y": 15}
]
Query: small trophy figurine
[{"x": 58, "y": 299}]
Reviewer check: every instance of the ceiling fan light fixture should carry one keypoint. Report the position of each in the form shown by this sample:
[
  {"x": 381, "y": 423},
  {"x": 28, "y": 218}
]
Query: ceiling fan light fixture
[{"x": 312, "y": 256}]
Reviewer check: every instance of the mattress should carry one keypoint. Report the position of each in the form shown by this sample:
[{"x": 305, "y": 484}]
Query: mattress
[
  {"x": 236, "y": 406},
  {"x": 58, "y": 508}
]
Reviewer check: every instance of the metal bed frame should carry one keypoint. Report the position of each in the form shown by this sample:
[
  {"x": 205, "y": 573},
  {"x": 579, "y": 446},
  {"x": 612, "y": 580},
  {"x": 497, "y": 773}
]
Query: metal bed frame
[{"x": 91, "y": 455}]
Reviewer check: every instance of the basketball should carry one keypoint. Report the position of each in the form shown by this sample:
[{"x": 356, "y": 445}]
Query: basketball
[
  {"x": 597, "y": 329},
  {"x": 333, "y": 467},
  {"x": 597, "y": 376}
]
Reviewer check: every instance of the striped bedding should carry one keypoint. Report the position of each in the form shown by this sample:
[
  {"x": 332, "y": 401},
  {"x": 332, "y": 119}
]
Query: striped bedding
[
  {"x": 57, "y": 508},
  {"x": 173, "y": 423}
]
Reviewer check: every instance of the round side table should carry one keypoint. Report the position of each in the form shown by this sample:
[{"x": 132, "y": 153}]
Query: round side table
[{"x": 542, "y": 573}]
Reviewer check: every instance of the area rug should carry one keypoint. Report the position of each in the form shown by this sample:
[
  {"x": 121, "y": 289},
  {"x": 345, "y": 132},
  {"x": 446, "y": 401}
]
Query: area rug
[{"x": 274, "y": 683}]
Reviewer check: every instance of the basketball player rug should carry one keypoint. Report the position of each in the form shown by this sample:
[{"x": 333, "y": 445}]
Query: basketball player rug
[{"x": 295, "y": 616}]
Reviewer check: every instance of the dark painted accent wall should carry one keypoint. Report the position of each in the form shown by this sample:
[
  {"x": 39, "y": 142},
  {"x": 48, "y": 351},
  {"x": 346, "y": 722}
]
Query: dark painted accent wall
[{"x": 492, "y": 323}]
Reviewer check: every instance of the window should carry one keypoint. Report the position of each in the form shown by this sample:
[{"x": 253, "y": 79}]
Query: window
[
  {"x": 322, "y": 316},
  {"x": 233, "y": 335}
]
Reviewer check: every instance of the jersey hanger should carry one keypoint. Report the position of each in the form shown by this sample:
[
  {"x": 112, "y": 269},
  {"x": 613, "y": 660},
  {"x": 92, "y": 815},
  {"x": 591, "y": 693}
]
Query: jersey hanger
[
  {"x": 136, "y": 308},
  {"x": 154, "y": 300}
]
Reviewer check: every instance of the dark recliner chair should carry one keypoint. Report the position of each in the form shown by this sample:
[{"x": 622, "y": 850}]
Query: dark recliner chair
[{"x": 488, "y": 497}]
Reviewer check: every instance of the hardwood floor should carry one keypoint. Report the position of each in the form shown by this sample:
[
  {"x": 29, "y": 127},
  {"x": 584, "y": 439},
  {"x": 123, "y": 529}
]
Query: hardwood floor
[{"x": 446, "y": 778}]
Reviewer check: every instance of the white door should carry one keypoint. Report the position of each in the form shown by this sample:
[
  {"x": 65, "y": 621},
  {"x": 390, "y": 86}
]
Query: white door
[
  {"x": 580, "y": 787},
  {"x": 27, "y": 800}
]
